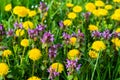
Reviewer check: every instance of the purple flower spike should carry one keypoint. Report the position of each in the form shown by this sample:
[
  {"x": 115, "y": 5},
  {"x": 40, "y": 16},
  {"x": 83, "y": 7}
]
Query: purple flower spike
[
  {"x": 96, "y": 34},
  {"x": 80, "y": 34},
  {"x": 1, "y": 27},
  {"x": 40, "y": 27},
  {"x": 61, "y": 24},
  {"x": 43, "y": 7},
  {"x": 10, "y": 32},
  {"x": 116, "y": 34},
  {"x": 2, "y": 30},
  {"x": 18, "y": 25},
  {"x": 72, "y": 66},
  {"x": 53, "y": 51},
  {"x": 52, "y": 73},
  {"x": 66, "y": 36},
  {"x": 106, "y": 34},
  {"x": 32, "y": 33},
  {"x": 47, "y": 37},
  {"x": 87, "y": 15}
]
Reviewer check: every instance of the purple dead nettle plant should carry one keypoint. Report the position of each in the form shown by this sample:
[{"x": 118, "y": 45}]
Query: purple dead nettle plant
[
  {"x": 43, "y": 7},
  {"x": 10, "y": 32},
  {"x": 32, "y": 33},
  {"x": 116, "y": 34},
  {"x": 66, "y": 37},
  {"x": 72, "y": 66},
  {"x": 80, "y": 35},
  {"x": 86, "y": 16},
  {"x": 53, "y": 51},
  {"x": 106, "y": 34},
  {"x": 40, "y": 27},
  {"x": 61, "y": 25},
  {"x": 52, "y": 73},
  {"x": 96, "y": 34},
  {"x": 18, "y": 25},
  {"x": 2, "y": 30},
  {"x": 47, "y": 40},
  {"x": 35, "y": 32}
]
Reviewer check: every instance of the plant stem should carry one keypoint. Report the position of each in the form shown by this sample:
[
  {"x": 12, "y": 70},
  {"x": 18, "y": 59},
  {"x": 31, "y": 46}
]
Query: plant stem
[
  {"x": 95, "y": 67},
  {"x": 33, "y": 69},
  {"x": 8, "y": 61},
  {"x": 22, "y": 56}
]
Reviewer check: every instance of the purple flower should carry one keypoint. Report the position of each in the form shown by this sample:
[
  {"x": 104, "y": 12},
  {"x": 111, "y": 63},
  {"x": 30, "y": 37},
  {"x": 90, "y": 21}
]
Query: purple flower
[
  {"x": 32, "y": 33},
  {"x": 40, "y": 27},
  {"x": 61, "y": 24},
  {"x": 80, "y": 34},
  {"x": 43, "y": 7},
  {"x": 53, "y": 51},
  {"x": 66, "y": 36},
  {"x": 86, "y": 15},
  {"x": 106, "y": 34},
  {"x": 1, "y": 27},
  {"x": 72, "y": 66},
  {"x": 96, "y": 34},
  {"x": 2, "y": 30},
  {"x": 47, "y": 37},
  {"x": 116, "y": 34},
  {"x": 10, "y": 32},
  {"x": 52, "y": 73},
  {"x": 18, "y": 25}
]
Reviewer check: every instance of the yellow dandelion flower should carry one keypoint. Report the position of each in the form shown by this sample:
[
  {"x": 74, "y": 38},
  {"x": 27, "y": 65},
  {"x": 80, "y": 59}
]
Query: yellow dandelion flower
[
  {"x": 77, "y": 9},
  {"x": 100, "y": 12},
  {"x": 117, "y": 30},
  {"x": 90, "y": 7},
  {"x": 25, "y": 42},
  {"x": 58, "y": 67},
  {"x": 98, "y": 45},
  {"x": 108, "y": 7},
  {"x": 27, "y": 25},
  {"x": 67, "y": 22},
  {"x": 116, "y": 15},
  {"x": 69, "y": 5},
  {"x": 6, "y": 53},
  {"x": 73, "y": 54},
  {"x": 92, "y": 27},
  {"x": 117, "y": 1},
  {"x": 96, "y": 12},
  {"x": 19, "y": 32},
  {"x": 73, "y": 40},
  {"x": 34, "y": 54},
  {"x": 93, "y": 54},
  {"x": 34, "y": 78},
  {"x": 32, "y": 13},
  {"x": 99, "y": 3},
  {"x": 116, "y": 41},
  {"x": 72, "y": 15},
  {"x": 3, "y": 69},
  {"x": 8, "y": 7},
  {"x": 21, "y": 11}
]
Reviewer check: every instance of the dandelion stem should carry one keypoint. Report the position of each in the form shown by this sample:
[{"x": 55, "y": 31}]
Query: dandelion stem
[
  {"x": 23, "y": 55},
  {"x": 33, "y": 69},
  {"x": 95, "y": 67},
  {"x": 8, "y": 61}
]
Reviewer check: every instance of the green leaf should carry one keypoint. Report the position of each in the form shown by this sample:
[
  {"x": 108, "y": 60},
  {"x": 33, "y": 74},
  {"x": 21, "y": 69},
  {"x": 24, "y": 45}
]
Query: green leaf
[
  {"x": 70, "y": 77},
  {"x": 1, "y": 78},
  {"x": 1, "y": 53},
  {"x": 75, "y": 78},
  {"x": 9, "y": 76},
  {"x": 117, "y": 79}
]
